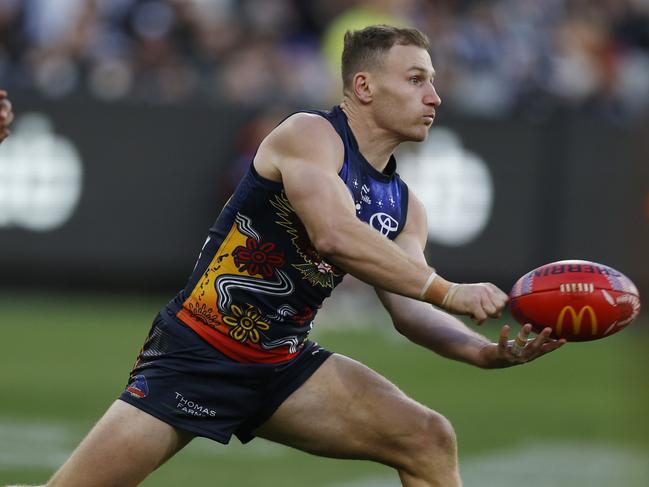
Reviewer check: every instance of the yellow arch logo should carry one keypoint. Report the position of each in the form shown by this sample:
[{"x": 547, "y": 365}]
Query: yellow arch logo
[{"x": 577, "y": 318}]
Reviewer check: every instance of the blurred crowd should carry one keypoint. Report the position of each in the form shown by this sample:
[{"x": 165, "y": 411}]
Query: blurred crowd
[{"x": 493, "y": 57}]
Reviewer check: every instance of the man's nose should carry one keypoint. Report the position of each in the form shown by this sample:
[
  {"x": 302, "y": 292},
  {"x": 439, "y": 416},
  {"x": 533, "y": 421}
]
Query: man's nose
[{"x": 432, "y": 98}]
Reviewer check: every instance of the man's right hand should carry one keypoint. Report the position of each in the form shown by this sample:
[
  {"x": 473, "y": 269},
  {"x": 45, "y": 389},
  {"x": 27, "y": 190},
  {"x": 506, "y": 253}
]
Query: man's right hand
[{"x": 480, "y": 301}]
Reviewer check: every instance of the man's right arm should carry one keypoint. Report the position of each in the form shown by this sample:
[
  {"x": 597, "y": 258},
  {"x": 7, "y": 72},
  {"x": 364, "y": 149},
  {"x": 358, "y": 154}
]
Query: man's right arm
[{"x": 305, "y": 153}]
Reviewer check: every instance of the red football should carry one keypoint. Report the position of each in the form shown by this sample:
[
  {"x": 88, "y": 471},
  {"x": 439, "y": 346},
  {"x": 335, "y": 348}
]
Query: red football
[{"x": 579, "y": 300}]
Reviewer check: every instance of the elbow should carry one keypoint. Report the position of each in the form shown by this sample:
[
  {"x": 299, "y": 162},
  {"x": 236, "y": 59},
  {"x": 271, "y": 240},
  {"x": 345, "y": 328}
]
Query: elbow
[
  {"x": 329, "y": 244},
  {"x": 336, "y": 238},
  {"x": 400, "y": 329},
  {"x": 402, "y": 324}
]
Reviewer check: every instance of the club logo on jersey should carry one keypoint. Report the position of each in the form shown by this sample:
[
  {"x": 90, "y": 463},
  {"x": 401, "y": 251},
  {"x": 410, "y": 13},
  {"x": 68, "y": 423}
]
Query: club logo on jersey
[
  {"x": 138, "y": 387},
  {"x": 384, "y": 223}
]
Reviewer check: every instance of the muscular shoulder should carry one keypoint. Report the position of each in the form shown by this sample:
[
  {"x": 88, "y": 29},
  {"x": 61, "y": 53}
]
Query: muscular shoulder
[{"x": 302, "y": 137}]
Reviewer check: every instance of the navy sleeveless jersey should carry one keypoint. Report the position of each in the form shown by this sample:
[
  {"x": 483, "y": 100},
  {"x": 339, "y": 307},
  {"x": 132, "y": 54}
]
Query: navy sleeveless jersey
[{"x": 259, "y": 281}]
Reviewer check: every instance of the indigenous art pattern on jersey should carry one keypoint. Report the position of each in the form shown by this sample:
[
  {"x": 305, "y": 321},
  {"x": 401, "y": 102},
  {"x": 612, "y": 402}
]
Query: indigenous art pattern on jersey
[
  {"x": 314, "y": 269},
  {"x": 259, "y": 280},
  {"x": 244, "y": 262}
]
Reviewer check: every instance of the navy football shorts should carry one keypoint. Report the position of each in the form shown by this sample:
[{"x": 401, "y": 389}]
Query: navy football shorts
[{"x": 182, "y": 380}]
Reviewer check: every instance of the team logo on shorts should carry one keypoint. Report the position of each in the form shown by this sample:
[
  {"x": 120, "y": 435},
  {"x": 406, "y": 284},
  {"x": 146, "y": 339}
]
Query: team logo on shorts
[{"x": 138, "y": 387}]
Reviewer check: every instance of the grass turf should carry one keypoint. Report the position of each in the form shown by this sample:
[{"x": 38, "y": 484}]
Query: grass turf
[{"x": 65, "y": 357}]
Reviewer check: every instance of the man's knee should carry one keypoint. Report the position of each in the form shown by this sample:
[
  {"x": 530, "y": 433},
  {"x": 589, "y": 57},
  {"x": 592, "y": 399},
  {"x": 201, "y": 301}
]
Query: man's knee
[
  {"x": 433, "y": 442},
  {"x": 440, "y": 434}
]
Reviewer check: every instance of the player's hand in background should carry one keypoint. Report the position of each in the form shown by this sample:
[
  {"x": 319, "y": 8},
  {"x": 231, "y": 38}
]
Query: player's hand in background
[
  {"x": 6, "y": 115},
  {"x": 480, "y": 301}
]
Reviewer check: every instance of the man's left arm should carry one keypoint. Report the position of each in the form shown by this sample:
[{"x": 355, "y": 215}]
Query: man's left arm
[{"x": 444, "y": 334}]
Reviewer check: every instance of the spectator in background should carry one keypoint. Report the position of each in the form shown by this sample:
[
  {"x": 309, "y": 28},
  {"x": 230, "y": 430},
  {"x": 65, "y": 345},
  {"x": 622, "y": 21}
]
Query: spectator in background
[
  {"x": 499, "y": 58},
  {"x": 355, "y": 18}
]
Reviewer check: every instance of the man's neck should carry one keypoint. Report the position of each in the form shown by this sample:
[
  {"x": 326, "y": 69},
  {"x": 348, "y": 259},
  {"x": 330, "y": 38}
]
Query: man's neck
[{"x": 375, "y": 143}]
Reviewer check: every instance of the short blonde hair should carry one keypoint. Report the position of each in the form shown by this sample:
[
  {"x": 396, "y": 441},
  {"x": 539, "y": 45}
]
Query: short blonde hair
[{"x": 363, "y": 49}]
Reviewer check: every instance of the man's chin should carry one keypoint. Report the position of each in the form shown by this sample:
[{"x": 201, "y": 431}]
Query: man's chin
[
  {"x": 415, "y": 134},
  {"x": 418, "y": 136}
]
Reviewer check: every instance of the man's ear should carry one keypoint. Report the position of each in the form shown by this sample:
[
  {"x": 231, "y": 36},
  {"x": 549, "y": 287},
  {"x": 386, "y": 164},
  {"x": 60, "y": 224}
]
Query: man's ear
[{"x": 362, "y": 87}]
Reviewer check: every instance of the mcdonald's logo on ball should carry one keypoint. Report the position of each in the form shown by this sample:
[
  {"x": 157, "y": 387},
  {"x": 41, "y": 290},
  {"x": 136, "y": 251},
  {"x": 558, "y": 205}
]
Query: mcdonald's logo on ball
[
  {"x": 576, "y": 319},
  {"x": 579, "y": 300}
]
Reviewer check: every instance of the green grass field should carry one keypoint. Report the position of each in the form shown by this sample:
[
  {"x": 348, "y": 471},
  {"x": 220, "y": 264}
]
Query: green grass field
[{"x": 578, "y": 417}]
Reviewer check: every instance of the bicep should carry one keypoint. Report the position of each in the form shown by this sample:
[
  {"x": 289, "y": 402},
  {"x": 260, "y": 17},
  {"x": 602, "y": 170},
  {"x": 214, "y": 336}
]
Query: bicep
[
  {"x": 318, "y": 196},
  {"x": 307, "y": 153}
]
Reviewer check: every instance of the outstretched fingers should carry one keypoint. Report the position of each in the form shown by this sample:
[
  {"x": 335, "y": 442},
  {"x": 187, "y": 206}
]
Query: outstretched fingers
[
  {"x": 503, "y": 339},
  {"x": 527, "y": 349},
  {"x": 522, "y": 349},
  {"x": 552, "y": 345}
]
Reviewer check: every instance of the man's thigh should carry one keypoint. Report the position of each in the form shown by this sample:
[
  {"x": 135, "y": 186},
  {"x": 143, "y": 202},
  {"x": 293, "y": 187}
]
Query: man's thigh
[
  {"x": 121, "y": 450},
  {"x": 346, "y": 410}
]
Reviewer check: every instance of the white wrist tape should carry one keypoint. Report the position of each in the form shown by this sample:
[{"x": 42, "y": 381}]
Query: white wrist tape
[
  {"x": 448, "y": 297},
  {"x": 429, "y": 281}
]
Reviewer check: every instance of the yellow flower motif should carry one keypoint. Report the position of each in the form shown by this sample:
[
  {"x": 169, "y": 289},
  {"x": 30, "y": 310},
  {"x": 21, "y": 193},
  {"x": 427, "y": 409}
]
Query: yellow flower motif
[{"x": 245, "y": 323}]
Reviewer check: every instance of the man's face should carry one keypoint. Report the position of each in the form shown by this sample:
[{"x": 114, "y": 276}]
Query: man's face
[{"x": 405, "y": 99}]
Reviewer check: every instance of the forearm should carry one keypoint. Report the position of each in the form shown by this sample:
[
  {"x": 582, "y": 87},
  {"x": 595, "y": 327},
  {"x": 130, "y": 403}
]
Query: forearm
[
  {"x": 444, "y": 334},
  {"x": 363, "y": 252}
]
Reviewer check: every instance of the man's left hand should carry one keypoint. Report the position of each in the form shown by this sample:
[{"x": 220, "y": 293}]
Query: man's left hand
[{"x": 522, "y": 349}]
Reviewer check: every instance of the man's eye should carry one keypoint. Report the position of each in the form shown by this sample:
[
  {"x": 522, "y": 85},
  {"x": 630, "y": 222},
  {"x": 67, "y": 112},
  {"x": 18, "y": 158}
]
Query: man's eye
[{"x": 415, "y": 80}]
